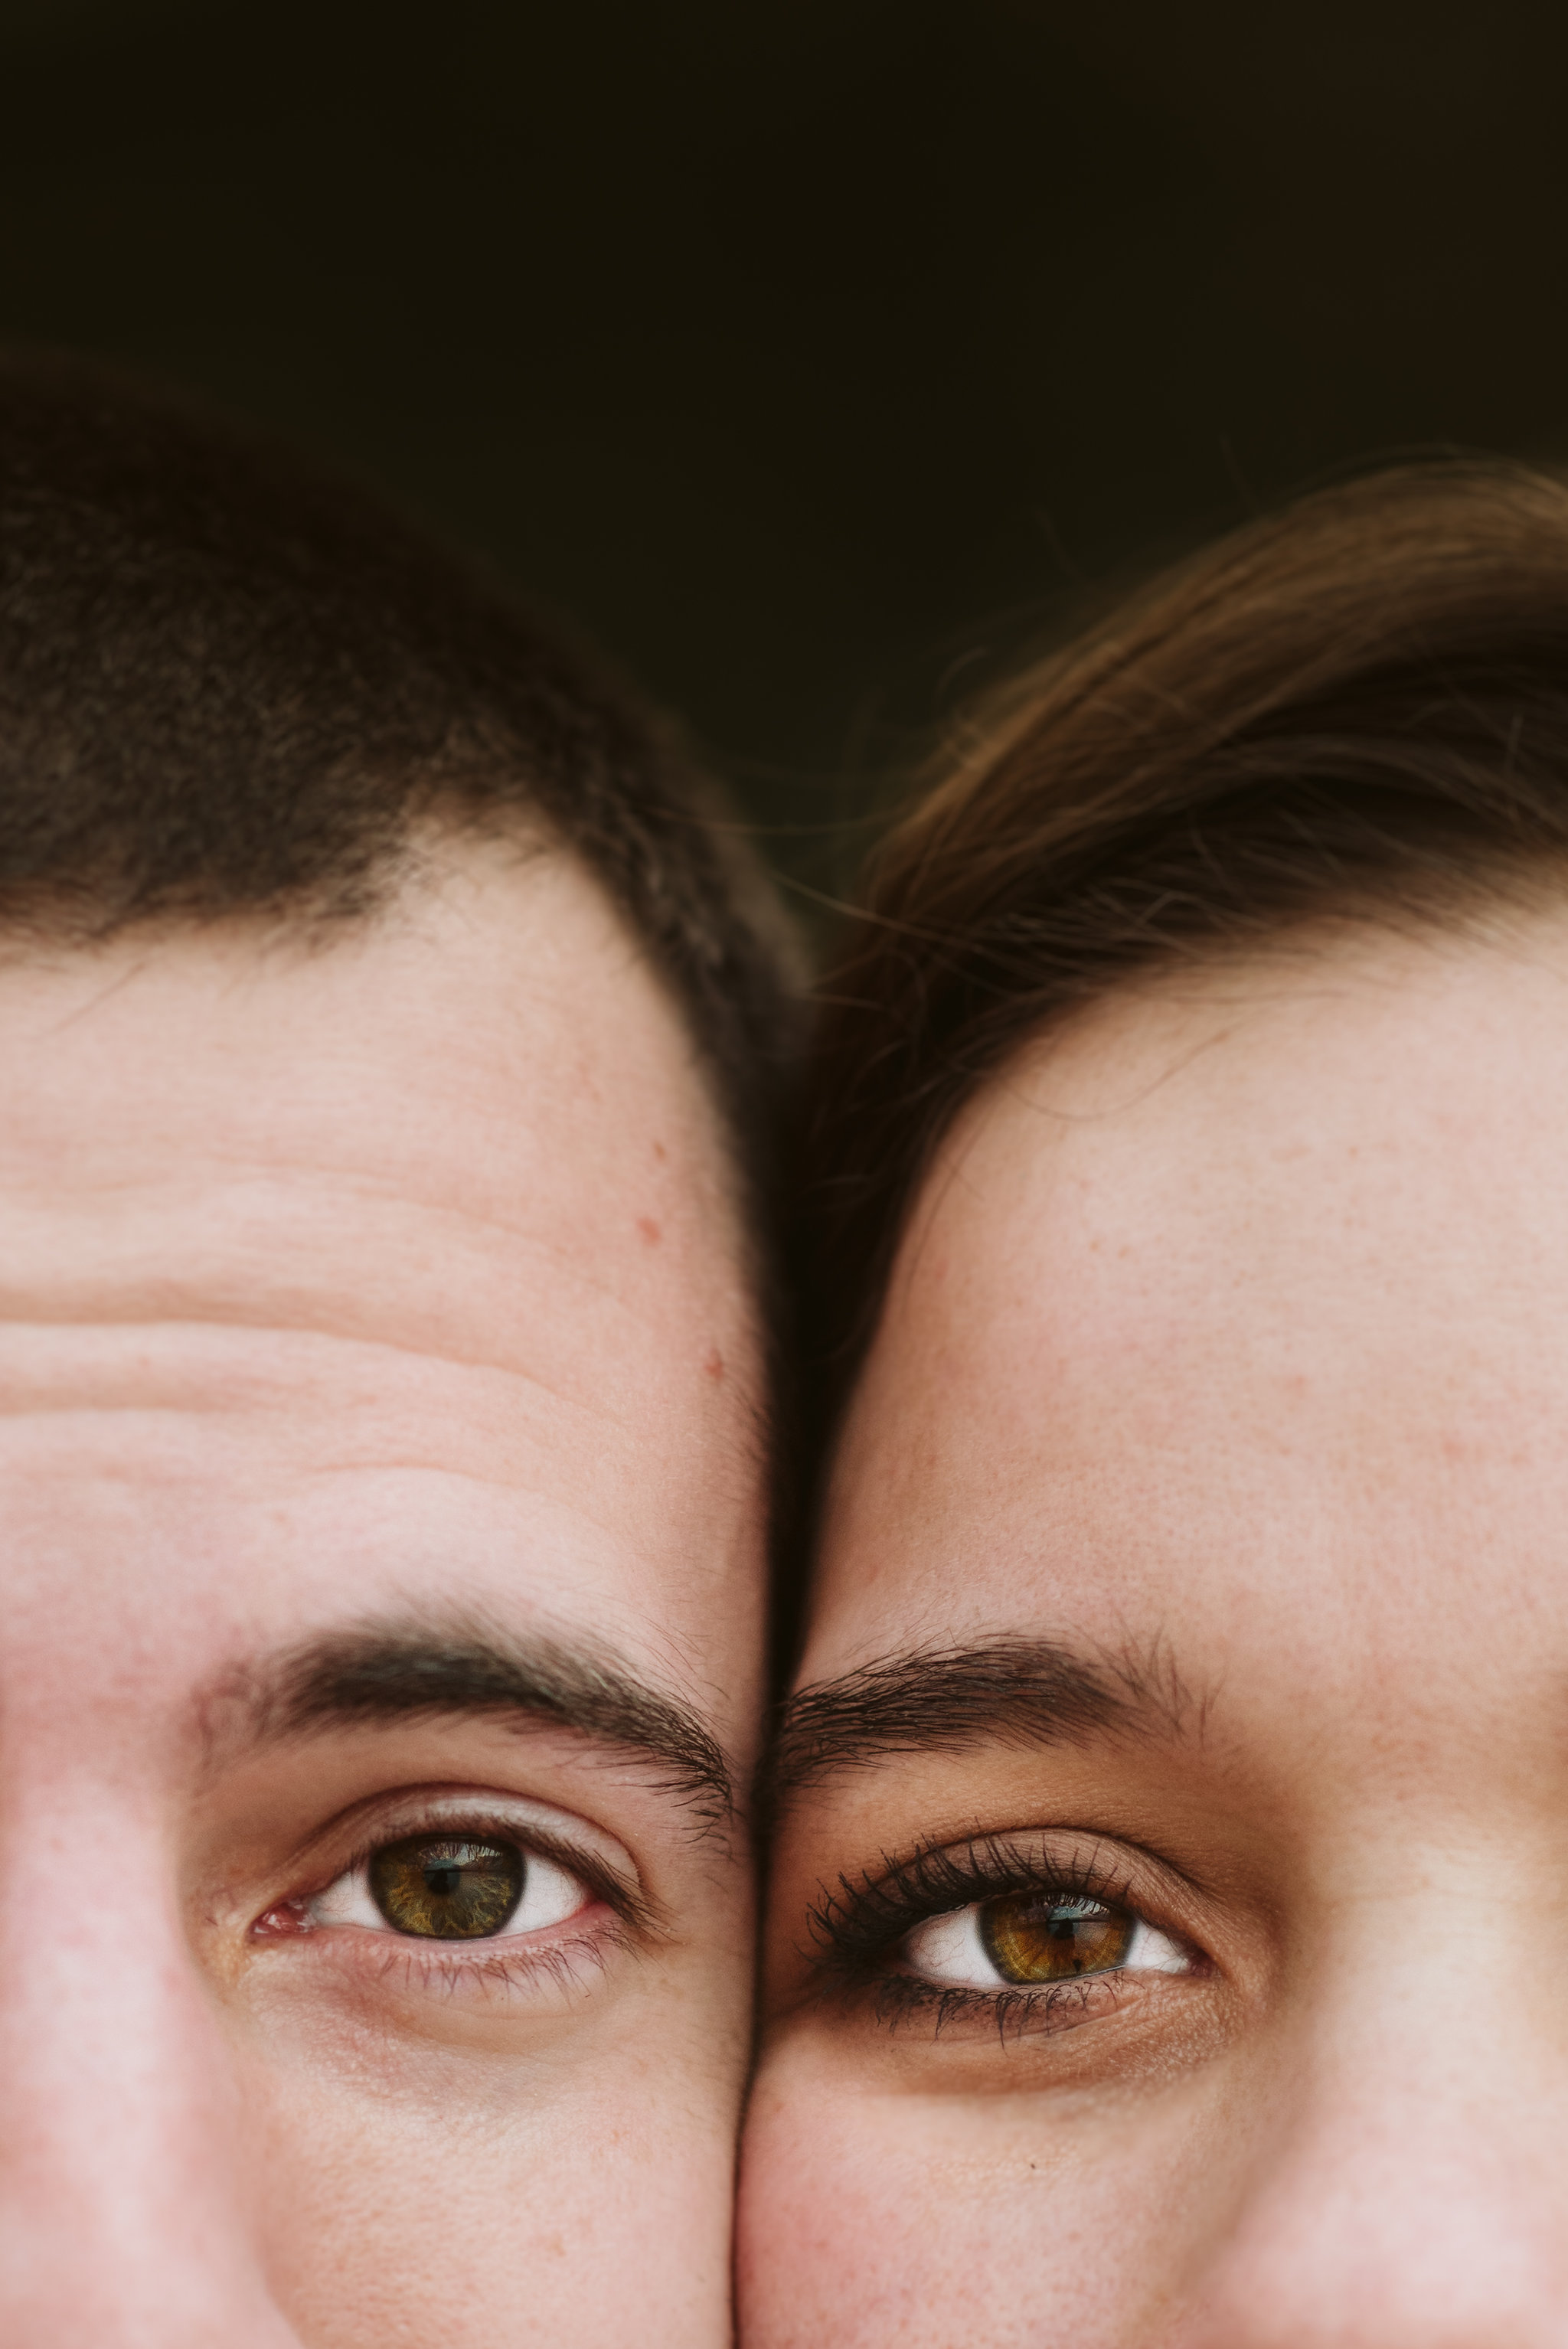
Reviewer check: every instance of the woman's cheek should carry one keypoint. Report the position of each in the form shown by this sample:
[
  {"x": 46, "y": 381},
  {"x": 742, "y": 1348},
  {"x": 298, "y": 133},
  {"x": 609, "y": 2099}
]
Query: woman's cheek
[
  {"x": 835, "y": 2223},
  {"x": 868, "y": 2219}
]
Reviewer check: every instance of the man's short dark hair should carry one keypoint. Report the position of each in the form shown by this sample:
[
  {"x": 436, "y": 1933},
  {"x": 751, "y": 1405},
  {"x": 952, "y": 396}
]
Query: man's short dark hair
[{"x": 232, "y": 689}]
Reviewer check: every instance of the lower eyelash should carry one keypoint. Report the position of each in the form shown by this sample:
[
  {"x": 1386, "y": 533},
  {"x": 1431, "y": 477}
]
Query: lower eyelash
[
  {"x": 423, "y": 1966},
  {"x": 1013, "y": 2013}
]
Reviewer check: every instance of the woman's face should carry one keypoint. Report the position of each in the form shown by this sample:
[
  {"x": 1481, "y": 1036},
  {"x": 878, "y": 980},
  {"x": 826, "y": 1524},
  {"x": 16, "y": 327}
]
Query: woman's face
[{"x": 1171, "y": 1908}]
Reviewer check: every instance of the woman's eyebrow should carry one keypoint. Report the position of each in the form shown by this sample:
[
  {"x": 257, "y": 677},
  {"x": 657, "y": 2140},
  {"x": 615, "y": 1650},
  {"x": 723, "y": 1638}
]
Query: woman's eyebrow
[
  {"x": 1038, "y": 1691},
  {"x": 390, "y": 1670}
]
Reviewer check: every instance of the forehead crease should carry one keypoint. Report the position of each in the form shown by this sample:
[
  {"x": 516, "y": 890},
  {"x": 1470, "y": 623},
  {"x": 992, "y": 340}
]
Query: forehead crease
[
  {"x": 414, "y": 1277},
  {"x": 328, "y": 1390},
  {"x": 219, "y": 1206}
]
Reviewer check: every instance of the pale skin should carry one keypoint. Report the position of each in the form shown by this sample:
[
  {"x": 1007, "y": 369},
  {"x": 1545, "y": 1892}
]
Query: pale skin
[
  {"x": 1228, "y": 1350},
  {"x": 387, "y": 1289}
]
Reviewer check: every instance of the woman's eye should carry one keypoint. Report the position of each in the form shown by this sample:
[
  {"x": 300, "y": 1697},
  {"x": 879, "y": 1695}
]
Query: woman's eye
[
  {"x": 452, "y": 1887},
  {"x": 1023, "y": 1939}
]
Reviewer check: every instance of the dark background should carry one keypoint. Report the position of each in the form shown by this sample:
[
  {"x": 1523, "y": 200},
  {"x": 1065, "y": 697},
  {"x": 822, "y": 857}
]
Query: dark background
[{"x": 805, "y": 351}]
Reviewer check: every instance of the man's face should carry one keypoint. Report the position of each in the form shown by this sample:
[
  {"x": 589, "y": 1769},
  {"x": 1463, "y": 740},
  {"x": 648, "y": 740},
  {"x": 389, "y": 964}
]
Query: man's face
[{"x": 380, "y": 1588}]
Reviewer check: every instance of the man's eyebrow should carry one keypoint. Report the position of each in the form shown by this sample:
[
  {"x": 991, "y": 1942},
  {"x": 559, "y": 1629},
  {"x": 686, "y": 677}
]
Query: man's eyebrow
[
  {"x": 1006, "y": 1691},
  {"x": 421, "y": 1669}
]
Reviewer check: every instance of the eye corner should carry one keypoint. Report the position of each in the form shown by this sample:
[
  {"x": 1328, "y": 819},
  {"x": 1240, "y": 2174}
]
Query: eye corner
[{"x": 284, "y": 1920}]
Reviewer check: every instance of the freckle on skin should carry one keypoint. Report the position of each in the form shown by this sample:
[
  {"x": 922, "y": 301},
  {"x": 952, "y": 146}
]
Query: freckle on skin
[
  {"x": 660, "y": 1152},
  {"x": 649, "y": 1230},
  {"x": 714, "y": 1365}
]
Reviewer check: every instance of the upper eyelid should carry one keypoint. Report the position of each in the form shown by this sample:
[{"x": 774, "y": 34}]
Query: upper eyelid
[
  {"x": 964, "y": 1869},
  {"x": 433, "y": 1802}
]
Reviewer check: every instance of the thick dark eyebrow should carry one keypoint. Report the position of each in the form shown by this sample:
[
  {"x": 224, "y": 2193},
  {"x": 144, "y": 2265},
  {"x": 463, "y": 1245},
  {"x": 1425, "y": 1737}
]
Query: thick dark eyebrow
[
  {"x": 945, "y": 1700},
  {"x": 399, "y": 1670}
]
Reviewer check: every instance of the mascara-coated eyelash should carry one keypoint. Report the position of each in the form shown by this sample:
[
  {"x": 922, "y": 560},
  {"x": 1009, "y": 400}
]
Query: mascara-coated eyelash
[
  {"x": 992, "y": 1927},
  {"x": 862, "y": 1920}
]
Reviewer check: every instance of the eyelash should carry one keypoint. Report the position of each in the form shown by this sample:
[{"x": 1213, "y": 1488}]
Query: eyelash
[
  {"x": 859, "y": 1928},
  {"x": 424, "y": 1965}
]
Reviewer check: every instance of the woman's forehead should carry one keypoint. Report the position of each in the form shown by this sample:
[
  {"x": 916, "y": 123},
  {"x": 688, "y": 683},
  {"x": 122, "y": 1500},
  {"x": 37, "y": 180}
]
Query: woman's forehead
[{"x": 1242, "y": 1284}]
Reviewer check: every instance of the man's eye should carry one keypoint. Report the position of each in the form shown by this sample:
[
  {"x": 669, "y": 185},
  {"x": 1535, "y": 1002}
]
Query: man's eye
[
  {"x": 1022, "y": 1939},
  {"x": 452, "y": 1887}
]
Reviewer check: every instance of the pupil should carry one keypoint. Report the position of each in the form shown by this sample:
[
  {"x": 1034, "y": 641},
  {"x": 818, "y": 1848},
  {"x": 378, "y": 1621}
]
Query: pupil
[{"x": 443, "y": 1881}]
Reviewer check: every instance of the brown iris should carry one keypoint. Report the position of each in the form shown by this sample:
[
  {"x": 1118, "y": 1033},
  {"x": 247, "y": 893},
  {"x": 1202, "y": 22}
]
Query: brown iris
[
  {"x": 446, "y": 1887},
  {"x": 1045, "y": 1937}
]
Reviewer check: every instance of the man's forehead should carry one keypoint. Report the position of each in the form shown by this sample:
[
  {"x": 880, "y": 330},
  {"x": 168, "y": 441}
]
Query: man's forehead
[
  {"x": 490, "y": 1055},
  {"x": 489, "y": 955},
  {"x": 429, "y": 1225}
]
